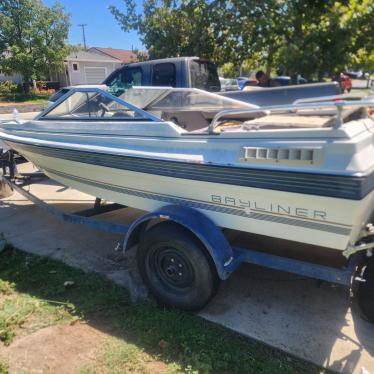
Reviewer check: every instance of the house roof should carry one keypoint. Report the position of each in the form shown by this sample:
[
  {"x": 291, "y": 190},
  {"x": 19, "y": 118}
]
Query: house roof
[
  {"x": 90, "y": 56},
  {"x": 124, "y": 55}
]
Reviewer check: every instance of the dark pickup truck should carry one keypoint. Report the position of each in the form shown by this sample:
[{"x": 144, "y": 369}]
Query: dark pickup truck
[
  {"x": 170, "y": 72},
  {"x": 194, "y": 72}
]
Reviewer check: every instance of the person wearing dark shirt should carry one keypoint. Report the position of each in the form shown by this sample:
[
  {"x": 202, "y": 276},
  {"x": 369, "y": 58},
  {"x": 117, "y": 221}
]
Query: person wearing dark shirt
[{"x": 262, "y": 79}]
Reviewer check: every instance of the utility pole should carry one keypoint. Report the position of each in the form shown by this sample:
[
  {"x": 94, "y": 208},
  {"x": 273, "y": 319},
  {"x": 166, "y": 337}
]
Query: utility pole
[{"x": 83, "y": 25}]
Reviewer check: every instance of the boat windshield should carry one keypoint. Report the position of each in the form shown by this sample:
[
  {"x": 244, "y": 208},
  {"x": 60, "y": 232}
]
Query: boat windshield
[
  {"x": 196, "y": 110},
  {"x": 190, "y": 108},
  {"x": 180, "y": 99},
  {"x": 95, "y": 104}
]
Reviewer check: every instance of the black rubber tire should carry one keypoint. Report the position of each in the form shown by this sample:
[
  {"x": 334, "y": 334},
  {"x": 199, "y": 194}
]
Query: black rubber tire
[
  {"x": 366, "y": 292},
  {"x": 175, "y": 267}
]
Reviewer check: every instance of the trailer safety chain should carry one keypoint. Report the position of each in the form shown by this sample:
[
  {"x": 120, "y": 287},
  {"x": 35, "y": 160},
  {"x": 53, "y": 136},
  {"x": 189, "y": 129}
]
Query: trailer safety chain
[{"x": 365, "y": 243}]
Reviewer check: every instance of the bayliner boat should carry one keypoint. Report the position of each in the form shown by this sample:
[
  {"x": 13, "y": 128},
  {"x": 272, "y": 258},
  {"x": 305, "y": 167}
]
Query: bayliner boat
[{"x": 304, "y": 172}]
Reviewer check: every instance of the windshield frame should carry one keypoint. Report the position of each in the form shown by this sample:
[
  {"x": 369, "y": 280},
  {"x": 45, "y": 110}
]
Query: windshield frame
[{"x": 146, "y": 116}]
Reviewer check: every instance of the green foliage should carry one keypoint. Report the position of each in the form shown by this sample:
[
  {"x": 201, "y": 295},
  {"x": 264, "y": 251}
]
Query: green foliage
[
  {"x": 323, "y": 37},
  {"x": 229, "y": 70},
  {"x": 307, "y": 37},
  {"x": 22, "y": 311},
  {"x": 7, "y": 87},
  {"x": 6, "y": 288},
  {"x": 364, "y": 59},
  {"x": 169, "y": 28},
  {"x": 4, "y": 367},
  {"x": 32, "y": 38}
]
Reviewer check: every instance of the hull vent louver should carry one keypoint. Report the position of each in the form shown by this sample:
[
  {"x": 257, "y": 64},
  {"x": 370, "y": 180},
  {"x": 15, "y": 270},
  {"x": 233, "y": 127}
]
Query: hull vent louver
[{"x": 288, "y": 155}]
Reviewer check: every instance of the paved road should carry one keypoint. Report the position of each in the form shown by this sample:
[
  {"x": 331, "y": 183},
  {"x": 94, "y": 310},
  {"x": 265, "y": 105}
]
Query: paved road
[
  {"x": 309, "y": 319},
  {"x": 361, "y": 83}
]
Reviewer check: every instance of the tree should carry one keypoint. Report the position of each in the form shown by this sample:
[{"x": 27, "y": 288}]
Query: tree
[
  {"x": 170, "y": 28},
  {"x": 324, "y": 36},
  {"x": 308, "y": 37},
  {"x": 32, "y": 38},
  {"x": 229, "y": 70}
]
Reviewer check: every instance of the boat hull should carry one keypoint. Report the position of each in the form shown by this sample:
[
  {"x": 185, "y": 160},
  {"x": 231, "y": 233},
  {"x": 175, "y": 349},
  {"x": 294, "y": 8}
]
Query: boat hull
[{"x": 317, "y": 220}]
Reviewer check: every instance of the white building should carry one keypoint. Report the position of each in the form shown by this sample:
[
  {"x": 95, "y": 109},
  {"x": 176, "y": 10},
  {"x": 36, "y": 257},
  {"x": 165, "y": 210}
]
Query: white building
[
  {"x": 15, "y": 78},
  {"x": 87, "y": 67}
]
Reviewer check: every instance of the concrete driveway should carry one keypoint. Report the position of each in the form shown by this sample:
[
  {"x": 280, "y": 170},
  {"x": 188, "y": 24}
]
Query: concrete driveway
[
  {"x": 306, "y": 318},
  {"x": 23, "y": 116}
]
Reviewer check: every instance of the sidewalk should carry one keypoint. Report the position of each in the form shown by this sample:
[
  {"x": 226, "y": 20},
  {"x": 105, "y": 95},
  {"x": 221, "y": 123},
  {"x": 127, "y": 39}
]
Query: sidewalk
[{"x": 23, "y": 116}]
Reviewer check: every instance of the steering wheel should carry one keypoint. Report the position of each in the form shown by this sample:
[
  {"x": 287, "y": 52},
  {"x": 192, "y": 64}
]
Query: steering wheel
[
  {"x": 104, "y": 109},
  {"x": 175, "y": 120}
]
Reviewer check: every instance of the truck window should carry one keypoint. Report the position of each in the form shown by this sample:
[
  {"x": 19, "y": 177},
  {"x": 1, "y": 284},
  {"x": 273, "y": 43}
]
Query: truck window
[
  {"x": 164, "y": 75},
  {"x": 126, "y": 78},
  {"x": 204, "y": 75}
]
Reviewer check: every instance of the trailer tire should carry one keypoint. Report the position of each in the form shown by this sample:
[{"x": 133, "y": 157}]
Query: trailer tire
[
  {"x": 366, "y": 291},
  {"x": 176, "y": 268}
]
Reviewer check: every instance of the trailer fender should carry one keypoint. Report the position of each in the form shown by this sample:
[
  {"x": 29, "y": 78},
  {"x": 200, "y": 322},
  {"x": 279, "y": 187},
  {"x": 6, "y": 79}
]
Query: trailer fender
[{"x": 209, "y": 234}]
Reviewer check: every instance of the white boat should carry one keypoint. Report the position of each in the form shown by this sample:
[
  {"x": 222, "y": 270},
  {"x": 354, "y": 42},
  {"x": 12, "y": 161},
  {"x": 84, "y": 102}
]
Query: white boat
[{"x": 304, "y": 173}]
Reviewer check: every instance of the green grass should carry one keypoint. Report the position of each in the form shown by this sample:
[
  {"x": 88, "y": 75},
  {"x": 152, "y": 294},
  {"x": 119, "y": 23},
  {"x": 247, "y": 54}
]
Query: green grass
[
  {"x": 24, "y": 312},
  {"x": 140, "y": 332},
  {"x": 19, "y": 98},
  {"x": 4, "y": 368}
]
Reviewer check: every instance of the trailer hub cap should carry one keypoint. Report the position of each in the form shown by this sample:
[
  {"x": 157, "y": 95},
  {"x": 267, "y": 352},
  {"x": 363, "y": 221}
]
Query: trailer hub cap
[{"x": 172, "y": 267}]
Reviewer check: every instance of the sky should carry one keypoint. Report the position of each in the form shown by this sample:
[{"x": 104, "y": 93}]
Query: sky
[{"x": 102, "y": 29}]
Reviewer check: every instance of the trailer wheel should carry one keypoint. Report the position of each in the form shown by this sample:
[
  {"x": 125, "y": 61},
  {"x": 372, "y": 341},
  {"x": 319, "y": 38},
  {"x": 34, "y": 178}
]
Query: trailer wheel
[
  {"x": 366, "y": 291},
  {"x": 175, "y": 267}
]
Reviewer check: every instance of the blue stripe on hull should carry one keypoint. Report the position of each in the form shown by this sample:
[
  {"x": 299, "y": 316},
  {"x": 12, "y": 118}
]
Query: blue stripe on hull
[{"x": 345, "y": 187}]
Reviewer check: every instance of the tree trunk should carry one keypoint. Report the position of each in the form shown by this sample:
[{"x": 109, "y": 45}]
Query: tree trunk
[
  {"x": 26, "y": 84},
  {"x": 269, "y": 60},
  {"x": 268, "y": 68}
]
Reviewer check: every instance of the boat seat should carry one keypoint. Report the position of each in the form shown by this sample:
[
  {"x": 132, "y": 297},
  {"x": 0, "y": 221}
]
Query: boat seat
[
  {"x": 289, "y": 121},
  {"x": 303, "y": 120}
]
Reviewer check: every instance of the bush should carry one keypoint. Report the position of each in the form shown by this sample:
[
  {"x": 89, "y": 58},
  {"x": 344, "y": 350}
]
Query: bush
[{"x": 8, "y": 87}]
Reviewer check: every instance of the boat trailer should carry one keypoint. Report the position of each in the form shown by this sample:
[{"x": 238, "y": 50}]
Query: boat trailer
[{"x": 226, "y": 258}]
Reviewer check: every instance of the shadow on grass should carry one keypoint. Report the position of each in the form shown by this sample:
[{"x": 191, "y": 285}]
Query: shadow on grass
[{"x": 190, "y": 341}]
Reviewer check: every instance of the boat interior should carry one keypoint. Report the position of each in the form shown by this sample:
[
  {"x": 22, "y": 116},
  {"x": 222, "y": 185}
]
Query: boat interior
[{"x": 194, "y": 110}]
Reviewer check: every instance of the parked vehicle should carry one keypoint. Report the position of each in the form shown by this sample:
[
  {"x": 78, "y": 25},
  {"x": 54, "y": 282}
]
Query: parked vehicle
[
  {"x": 229, "y": 84},
  {"x": 242, "y": 81},
  {"x": 193, "y": 72},
  {"x": 284, "y": 94},
  {"x": 285, "y": 80},
  {"x": 249, "y": 83},
  {"x": 170, "y": 72}
]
